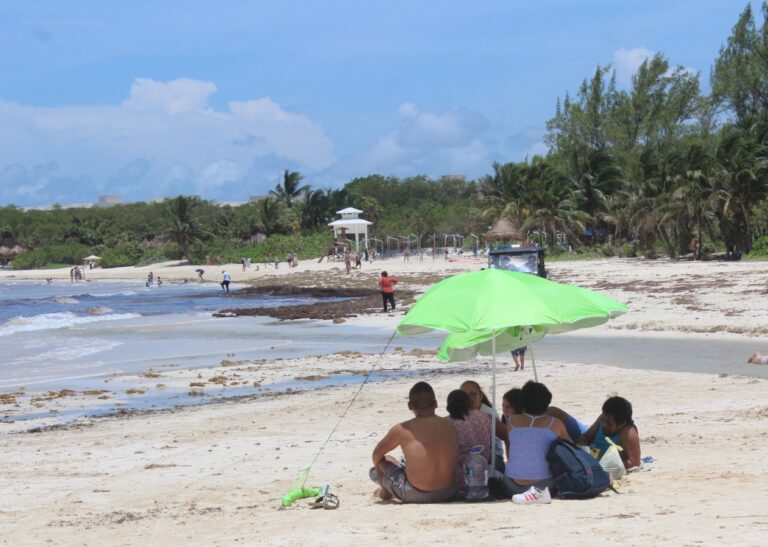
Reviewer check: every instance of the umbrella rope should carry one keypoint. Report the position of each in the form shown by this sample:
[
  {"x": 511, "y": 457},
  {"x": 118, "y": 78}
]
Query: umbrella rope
[{"x": 346, "y": 410}]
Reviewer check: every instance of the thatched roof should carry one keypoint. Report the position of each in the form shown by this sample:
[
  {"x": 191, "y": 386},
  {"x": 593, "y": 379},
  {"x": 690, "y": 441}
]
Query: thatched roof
[
  {"x": 504, "y": 230},
  {"x": 10, "y": 252}
]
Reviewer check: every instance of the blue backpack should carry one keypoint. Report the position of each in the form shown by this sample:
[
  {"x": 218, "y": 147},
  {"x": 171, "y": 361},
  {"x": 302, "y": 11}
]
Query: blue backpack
[{"x": 577, "y": 474}]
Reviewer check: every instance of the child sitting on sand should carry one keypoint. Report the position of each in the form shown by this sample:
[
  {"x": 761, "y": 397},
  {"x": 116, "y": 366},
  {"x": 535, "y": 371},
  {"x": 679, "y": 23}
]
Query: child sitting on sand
[
  {"x": 758, "y": 358},
  {"x": 615, "y": 423}
]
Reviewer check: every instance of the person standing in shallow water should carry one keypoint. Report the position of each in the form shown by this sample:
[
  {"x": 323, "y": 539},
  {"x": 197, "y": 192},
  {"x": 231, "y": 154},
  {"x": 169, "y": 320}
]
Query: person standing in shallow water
[
  {"x": 387, "y": 285},
  {"x": 225, "y": 278}
]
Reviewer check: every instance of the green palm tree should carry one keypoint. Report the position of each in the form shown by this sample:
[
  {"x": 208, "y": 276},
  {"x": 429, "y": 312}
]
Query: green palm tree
[
  {"x": 290, "y": 188},
  {"x": 181, "y": 226},
  {"x": 316, "y": 208},
  {"x": 594, "y": 178},
  {"x": 695, "y": 193},
  {"x": 270, "y": 217},
  {"x": 551, "y": 207},
  {"x": 742, "y": 172}
]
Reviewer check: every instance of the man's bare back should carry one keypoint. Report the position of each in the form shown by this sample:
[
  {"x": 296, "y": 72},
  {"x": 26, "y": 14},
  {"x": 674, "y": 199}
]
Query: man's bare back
[{"x": 430, "y": 447}]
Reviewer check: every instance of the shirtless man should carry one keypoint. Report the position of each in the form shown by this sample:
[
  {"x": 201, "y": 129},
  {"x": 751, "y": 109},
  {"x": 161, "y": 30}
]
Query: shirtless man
[
  {"x": 758, "y": 358},
  {"x": 430, "y": 448}
]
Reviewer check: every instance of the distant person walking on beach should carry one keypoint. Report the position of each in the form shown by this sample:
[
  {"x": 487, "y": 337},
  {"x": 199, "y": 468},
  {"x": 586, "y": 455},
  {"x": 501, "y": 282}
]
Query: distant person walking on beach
[
  {"x": 445, "y": 252},
  {"x": 518, "y": 356},
  {"x": 199, "y": 273},
  {"x": 358, "y": 261},
  {"x": 387, "y": 285},
  {"x": 72, "y": 275},
  {"x": 347, "y": 261},
  {"x": 225, "y": 278}
]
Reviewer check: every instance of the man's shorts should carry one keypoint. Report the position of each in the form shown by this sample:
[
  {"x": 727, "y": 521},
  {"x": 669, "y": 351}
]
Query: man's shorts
[{"x": 396, "y": 483}]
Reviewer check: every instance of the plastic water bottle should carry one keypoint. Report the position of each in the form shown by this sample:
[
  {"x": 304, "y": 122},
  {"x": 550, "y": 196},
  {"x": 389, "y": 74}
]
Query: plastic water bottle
[{"x": 476, "y": 474}]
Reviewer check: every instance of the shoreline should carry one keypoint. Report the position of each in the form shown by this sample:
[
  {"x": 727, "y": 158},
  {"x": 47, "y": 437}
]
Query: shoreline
[{"x": 172, "y": 386}]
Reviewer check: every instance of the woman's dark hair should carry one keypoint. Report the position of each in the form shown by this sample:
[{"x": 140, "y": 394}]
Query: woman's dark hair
[
  {"x": 458, "y": 404},
  {"x": 535, "y": 397},
  {"x": 485, "y": 400},
  {"x": 619, "y": 408},
  {"x": 515, "y": 399}
]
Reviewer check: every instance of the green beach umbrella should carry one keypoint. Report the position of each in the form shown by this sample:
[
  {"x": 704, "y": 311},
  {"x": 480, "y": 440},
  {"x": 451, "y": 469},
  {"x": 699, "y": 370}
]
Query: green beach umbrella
[
  {"x": 494, "y": 300},
  {"x": 493, "y": 310}
]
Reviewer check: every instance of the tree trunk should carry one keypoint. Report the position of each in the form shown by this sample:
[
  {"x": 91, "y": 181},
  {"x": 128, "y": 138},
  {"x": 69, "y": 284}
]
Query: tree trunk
[
  {"x": 700, "y": 243},
  {"x": 667, "y": 242},
  {"x": 748, "y": 223}
]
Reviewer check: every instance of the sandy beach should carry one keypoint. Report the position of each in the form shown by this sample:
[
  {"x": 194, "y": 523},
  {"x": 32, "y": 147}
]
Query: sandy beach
[{"x": 213, "y": 474}]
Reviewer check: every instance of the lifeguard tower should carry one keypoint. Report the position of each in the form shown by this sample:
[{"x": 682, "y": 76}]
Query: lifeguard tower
[{"x": 350, "y": 223}]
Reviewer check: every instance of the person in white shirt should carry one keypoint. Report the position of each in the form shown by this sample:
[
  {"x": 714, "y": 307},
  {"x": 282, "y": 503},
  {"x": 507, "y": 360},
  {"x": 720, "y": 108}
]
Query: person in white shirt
[{"x": 225, "y": 278}]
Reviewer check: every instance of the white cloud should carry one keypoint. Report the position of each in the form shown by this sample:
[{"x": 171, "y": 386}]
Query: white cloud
[
  {"x": 165, "y": 137},
  {"x": 216, "y": 174},
  {"x": 427, "y": 142},
  {"x": 450, "y": 128},
  {"x": 627, "y": 61},
  {"x": 182, "y": 95}
]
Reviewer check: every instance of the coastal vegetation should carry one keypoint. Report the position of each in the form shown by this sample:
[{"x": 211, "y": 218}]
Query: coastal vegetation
[{"x": 656, "y": 167}]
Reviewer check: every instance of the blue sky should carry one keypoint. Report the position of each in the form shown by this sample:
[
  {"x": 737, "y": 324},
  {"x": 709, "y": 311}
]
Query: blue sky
[{"x": 150, "y": 99}]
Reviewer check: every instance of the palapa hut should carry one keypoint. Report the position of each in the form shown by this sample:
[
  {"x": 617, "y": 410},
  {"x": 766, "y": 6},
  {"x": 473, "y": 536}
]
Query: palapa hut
[
  {"x": 8, "y": 254},
  {"x": 504, "y": 231},
  {"x": 89, "y": 261}
]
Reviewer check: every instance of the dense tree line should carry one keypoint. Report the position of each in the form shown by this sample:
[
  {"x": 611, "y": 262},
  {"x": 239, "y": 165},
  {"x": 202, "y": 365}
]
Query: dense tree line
[
  {"x": 658, "y": 167},
  {"x": 293, "y": 218}
]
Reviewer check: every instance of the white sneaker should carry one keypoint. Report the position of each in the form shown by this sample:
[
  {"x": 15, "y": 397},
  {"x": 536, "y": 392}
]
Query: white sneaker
[{"x": 532, "y": 496}]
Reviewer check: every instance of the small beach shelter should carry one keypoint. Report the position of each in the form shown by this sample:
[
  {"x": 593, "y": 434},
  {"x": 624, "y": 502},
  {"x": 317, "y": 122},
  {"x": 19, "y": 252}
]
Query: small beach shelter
[
  {"x": 504, "y": 230},
  {"x": 349, "y": 224},
  {"x": 90, "y": 260},
  {"x": 490, "y": 311}
]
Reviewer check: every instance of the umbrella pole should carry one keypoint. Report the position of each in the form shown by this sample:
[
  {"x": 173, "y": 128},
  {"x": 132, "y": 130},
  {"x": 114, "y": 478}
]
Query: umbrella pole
[
  {"x": 533, "y": 360},
  {"x": 493, "y": 404}
]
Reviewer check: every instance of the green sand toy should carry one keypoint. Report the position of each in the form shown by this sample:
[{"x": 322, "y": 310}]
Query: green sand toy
[{"x": 323, "y": 498}]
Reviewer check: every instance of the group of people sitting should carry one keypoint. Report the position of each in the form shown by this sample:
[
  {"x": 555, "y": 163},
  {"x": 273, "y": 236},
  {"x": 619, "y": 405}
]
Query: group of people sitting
[{"x": 436, "y": 448}]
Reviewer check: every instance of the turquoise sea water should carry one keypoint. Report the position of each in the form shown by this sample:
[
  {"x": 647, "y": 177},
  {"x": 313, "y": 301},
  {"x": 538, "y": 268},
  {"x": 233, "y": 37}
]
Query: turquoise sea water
[{"x": 56, "y": 336}]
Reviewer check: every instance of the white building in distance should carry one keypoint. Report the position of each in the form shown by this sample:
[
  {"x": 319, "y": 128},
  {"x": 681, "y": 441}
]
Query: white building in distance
[{"x": 349, "y": 224}]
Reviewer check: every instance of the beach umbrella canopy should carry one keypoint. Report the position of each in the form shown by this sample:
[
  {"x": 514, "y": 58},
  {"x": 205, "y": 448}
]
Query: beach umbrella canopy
[
  {"x": 493, "y": 300},
  {"x": 494, "y": 310},
  {"x": 92, "y": 257}
]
